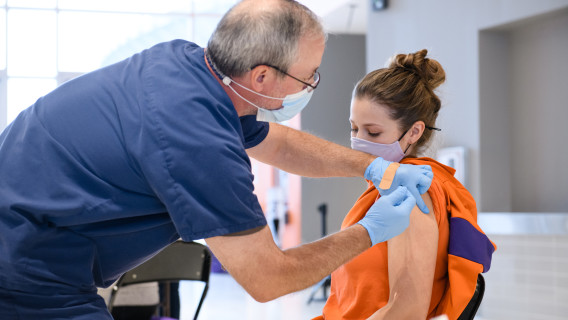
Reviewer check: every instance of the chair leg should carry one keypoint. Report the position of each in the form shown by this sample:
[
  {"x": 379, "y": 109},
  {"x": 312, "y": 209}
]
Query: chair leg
[
  {"x": 166, "y": 302},
  {"x": 201, "y": 300}
]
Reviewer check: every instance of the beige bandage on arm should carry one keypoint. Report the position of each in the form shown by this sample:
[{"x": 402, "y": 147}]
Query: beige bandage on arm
[{"x": 388, "y": 176}]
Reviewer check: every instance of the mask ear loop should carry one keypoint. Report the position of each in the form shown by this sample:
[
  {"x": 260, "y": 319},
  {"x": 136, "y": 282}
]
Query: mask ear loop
[
  {"x": 403, "y": 137},
  {"x": 407, "y": 148},
  {"x": 227, "y": 81}
]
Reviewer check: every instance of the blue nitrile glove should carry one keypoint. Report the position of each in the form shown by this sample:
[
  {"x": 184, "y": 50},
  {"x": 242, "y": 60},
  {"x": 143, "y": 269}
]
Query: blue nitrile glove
[
  {"x": 416, "y": 179},
  {"x": 389, "y": 216}
]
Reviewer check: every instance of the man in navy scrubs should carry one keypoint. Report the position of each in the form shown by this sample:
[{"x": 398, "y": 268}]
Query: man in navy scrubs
[{"x": 109, "y": 168}]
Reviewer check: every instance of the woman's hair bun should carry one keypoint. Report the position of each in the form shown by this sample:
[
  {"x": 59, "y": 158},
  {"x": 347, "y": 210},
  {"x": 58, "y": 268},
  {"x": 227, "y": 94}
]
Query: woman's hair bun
[{"x": 429, "y": 70}]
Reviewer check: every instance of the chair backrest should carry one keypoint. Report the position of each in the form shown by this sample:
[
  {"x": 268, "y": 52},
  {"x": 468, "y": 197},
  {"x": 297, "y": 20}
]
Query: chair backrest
[
  {"x": 471, "y": 308},
  {"x": 178, "y": 261}
]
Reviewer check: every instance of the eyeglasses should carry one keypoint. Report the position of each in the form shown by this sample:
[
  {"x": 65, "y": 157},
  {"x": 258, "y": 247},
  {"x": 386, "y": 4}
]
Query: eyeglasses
[{"x": 313, "y": 85}]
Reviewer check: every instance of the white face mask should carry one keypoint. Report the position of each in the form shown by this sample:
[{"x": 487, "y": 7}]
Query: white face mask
[{"x": 292, "y": 104}]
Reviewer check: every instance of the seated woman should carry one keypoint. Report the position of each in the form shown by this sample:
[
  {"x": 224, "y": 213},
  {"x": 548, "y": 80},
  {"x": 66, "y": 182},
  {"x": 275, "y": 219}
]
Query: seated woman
[{"x": 432, "y": 267}]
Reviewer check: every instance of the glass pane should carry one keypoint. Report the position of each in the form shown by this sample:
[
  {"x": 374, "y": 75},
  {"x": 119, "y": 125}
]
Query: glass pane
[
  {"x": 23, "y": 92},
  {"x": 2, "y": 39},
  {"x": 213, "y": 6},
  {"x": 2, "y": 2},
  {"x": 86, "y": 44},
  {"x": 31, "y": 46},
  {"x": 32, "y": 3},
  {"x": 204, "y": 27},
  {"x": 153, "y": 6}
]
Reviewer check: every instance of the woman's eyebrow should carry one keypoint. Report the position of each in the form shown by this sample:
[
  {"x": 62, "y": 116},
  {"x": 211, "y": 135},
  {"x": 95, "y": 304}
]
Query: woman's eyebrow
[{"x": 371, "y": 125}]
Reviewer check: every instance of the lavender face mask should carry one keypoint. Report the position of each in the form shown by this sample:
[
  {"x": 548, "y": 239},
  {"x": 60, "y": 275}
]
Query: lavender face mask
[{"x": 390, "y": 152}]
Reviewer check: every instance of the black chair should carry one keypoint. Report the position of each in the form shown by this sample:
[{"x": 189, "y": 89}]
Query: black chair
[
  {"x": 178, "y": 261},
  {"x": 471, "y": 308}
]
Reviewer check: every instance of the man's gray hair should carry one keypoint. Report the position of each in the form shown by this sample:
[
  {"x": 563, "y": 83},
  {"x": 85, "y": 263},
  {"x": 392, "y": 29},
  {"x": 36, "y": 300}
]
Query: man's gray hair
[{"x": 253, "y": 33}]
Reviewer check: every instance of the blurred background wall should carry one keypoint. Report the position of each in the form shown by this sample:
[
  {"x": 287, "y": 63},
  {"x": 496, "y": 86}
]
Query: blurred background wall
[{"x": 505, "y": 100}]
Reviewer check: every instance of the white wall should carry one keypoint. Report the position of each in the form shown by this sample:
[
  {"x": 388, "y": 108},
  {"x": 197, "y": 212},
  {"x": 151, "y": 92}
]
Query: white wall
[
  {"x": 494, "y": 101},
  {"x": 327, "y": 116},
  {"x": 450, "y": 30},
  {"x": 539, "y": 114},
  {"x": 523, "y": 104}
]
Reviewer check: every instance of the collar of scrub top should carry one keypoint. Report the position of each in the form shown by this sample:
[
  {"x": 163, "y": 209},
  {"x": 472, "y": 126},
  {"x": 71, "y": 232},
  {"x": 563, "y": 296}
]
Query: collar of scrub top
[{"x": 213, "y": 68}]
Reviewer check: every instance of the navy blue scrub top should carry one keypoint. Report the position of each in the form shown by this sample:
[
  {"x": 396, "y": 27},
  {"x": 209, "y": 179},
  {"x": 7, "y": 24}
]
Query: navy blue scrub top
[{"x": 109, "y": 168}]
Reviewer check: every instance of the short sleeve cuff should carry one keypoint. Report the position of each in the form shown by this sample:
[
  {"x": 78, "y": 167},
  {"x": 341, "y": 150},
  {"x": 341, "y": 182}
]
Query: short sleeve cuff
[{"x": 254, "y": 131}]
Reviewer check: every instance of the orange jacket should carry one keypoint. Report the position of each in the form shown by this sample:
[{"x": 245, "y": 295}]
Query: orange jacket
[{"x": 361, "y": 287}]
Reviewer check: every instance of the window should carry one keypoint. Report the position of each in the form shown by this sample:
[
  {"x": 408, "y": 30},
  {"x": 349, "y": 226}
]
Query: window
[
  {"x": 23, "y": 92},
  {"x": 139, "y": 6},
  {"x": 49, "y": 4},
  {"x": 2, "y": 38},
  {"x": 31, "y": 46},
  {"x": 3, "y": 64},
  {"x": 71, "y": 37},
  {"x": 206, "y": 26},
  {"x": 86, "y": 44},
  {"x": 218, "y": 7}
]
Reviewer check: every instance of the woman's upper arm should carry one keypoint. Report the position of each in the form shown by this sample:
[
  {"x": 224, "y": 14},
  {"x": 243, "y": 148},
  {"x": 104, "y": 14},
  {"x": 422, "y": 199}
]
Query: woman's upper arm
[{"x": 411, "y": 265}]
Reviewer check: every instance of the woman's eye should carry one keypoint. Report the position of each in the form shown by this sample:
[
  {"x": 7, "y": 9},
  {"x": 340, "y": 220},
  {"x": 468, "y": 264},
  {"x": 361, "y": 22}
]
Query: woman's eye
[
  {"x": 353, "y": 130},
  {"x": 374, "y": 134}
]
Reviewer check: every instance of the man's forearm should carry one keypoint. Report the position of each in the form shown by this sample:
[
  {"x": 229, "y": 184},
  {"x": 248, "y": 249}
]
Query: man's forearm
[
  {"x": 311, "y": 262},
  {"x": 304, "y": 154},
  {"x": 266, "y": 272}
]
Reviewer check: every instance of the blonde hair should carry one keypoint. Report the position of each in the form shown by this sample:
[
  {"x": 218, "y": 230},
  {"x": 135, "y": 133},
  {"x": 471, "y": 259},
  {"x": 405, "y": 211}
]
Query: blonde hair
[{"x": 406, "y": 86}]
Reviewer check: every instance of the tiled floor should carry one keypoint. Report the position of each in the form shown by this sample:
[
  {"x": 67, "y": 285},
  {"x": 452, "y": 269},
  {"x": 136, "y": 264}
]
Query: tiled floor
[{"x": 227, "y": 300}]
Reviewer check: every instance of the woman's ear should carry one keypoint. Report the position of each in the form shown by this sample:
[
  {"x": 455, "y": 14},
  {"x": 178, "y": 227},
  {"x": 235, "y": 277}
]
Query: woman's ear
[{"x": 416, "y": 131}]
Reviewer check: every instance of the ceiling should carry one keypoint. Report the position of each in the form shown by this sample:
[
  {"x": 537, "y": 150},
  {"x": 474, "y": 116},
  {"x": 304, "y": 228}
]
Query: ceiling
[{"x": 341, "y": 16}]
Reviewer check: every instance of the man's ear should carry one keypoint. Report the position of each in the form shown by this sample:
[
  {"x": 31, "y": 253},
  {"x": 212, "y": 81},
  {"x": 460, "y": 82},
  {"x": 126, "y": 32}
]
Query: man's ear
[
  {"x": 416, "y": 131},
  {"x": 259, "y": 76}
]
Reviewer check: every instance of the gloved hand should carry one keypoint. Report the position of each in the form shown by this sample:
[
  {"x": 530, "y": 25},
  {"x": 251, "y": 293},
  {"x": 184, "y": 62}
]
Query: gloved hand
[
  {"x": 389, "y": 216},
  {"x": 416, "y": 178}
]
